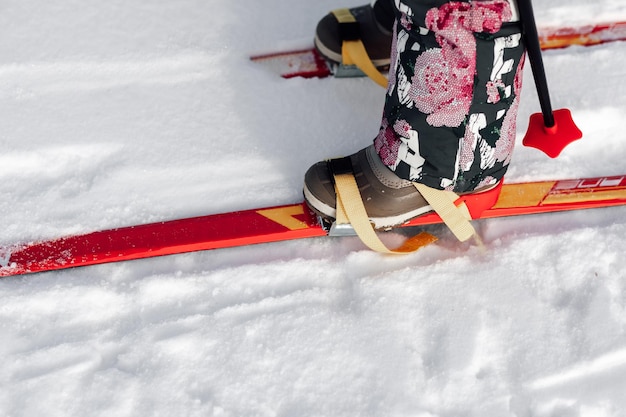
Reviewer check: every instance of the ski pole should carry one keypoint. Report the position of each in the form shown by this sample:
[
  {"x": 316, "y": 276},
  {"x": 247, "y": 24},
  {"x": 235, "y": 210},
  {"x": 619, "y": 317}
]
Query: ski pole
[{"x": 556, "y": 129}]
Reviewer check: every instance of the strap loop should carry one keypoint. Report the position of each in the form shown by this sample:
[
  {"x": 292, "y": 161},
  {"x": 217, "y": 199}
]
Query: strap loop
[
  {"x": 352, "y": 49},
  {"x": 350, "y": 207},
  {"x": 351, "y": 210},
  {"x": 457, "y": 218}
]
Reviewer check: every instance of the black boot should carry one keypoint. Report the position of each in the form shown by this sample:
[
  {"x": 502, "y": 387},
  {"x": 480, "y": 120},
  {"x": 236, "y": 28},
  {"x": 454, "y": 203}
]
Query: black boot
[{"x": 375, "y": 24}]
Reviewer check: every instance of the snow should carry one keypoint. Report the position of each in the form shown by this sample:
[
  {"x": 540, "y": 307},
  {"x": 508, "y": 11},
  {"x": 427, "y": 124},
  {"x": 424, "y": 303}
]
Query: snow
[{"x": 124, "y": 112}]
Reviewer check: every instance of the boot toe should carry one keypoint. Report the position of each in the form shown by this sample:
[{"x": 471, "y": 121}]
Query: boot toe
[
  {"x": 319, "y": 189},
  {"x": 327, "y": 39}
]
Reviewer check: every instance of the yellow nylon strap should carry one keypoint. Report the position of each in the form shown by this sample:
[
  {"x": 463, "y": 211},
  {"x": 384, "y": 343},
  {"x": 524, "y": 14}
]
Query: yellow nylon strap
[
  {"x": 354, "y": 53},
  {"x": 457, "y": 218},
  {"x": 350, "y": 209},
  {"x": 344, "y": 16}
]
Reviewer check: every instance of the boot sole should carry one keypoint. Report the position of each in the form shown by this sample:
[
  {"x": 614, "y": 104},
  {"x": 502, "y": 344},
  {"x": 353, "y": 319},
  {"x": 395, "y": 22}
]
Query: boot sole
[
  {"x": 329, "y": 213},
  {"x": 476, "y": 202}
]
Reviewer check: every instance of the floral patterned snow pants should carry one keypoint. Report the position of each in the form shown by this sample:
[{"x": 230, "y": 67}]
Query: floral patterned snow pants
[{"x": 452, "y": 99}]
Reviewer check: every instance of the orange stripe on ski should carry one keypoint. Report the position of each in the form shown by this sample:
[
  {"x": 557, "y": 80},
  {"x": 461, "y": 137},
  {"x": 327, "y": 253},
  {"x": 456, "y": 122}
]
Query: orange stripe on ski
[
  {"x": 285, "y": 216},
  {"x": 585, "y": 196},
  {"x": 553, "y": 38},
  {"x": 523, "y": 195}
]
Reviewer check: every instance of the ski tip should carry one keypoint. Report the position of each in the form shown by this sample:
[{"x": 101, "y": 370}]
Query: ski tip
[{"x": 552, "y": 140}]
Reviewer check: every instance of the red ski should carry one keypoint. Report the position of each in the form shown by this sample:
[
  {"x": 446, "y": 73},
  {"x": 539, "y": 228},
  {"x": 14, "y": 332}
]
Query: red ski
[
  {"x": 284, "y": 223},
  {"x": 308, "y": 63}
]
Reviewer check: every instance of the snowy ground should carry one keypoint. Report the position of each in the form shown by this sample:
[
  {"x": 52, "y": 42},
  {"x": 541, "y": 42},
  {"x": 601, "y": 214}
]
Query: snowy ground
[{"x": 122, "y": 112}]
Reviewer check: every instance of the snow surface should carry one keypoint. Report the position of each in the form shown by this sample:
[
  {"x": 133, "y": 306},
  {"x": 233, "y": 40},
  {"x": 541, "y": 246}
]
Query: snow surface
[{"x": 122, "y": 112}]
